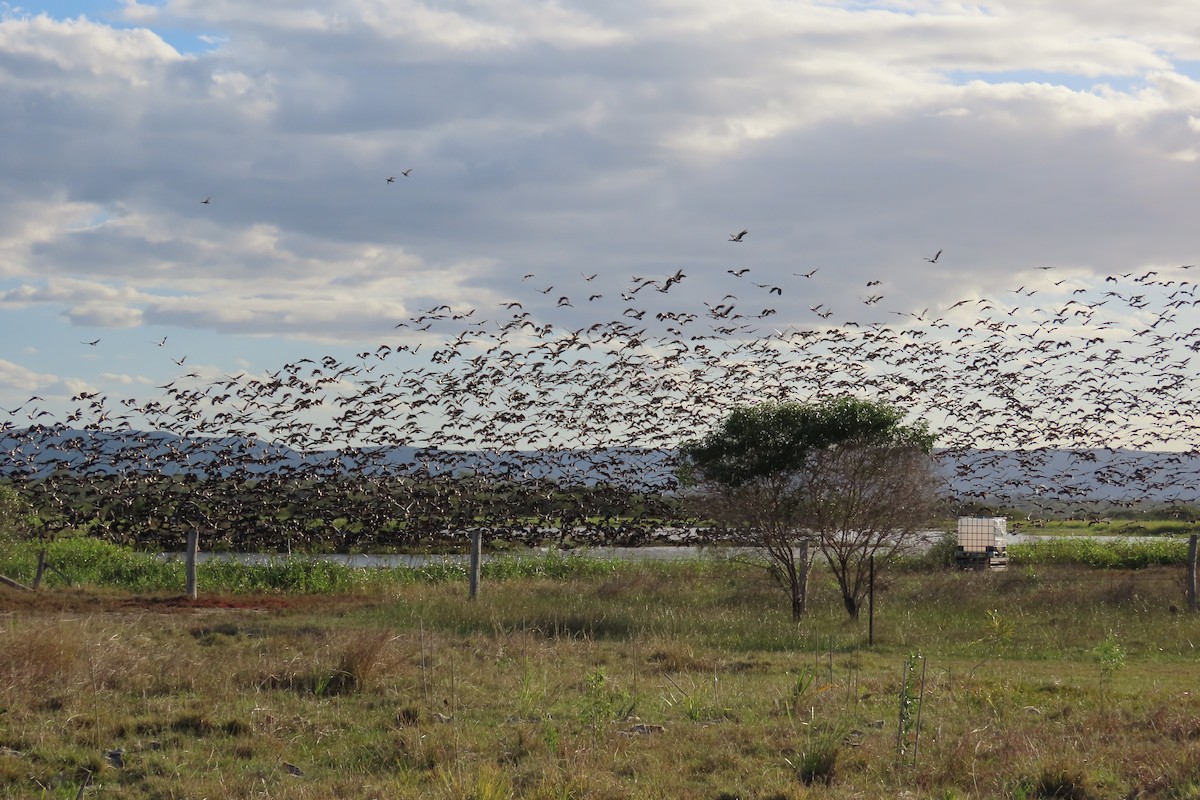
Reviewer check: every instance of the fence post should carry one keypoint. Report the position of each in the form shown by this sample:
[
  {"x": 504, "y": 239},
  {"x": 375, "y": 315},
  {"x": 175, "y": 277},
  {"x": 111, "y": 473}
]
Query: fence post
[
  {"x": 193, "y": 547},
  {"x": 800, "y": 586},
  {"x": 1191, "y": 573},
  {"x": 476, "y": 558}
]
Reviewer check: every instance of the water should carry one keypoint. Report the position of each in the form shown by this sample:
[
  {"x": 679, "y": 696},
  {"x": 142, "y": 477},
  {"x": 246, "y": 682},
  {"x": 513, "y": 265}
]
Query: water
[
  {"x": 646, "y": 553},
  {"x": 387, "y": 560}
]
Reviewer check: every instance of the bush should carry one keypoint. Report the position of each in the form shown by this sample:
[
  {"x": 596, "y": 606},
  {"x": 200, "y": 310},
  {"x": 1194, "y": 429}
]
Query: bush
[
  {"x": 14, "y": 513},
  {"x": 943, "y": 551}
]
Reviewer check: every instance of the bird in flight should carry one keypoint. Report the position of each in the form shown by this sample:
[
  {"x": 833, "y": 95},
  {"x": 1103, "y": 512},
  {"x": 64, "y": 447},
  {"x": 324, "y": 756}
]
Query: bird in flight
[
  {"x": 407, "y": 172},
  {"x": 93, "y": 342},
  {"x": 936, "y": 256},
  {"x": 391, "y": 179},
  {"x": 205, "y": 201},
  {"x": 737, "y": 237}
]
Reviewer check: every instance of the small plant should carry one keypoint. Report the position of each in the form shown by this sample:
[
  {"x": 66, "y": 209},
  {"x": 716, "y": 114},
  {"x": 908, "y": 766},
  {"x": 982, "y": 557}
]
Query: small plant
[
  {"x": 551, "y": 737},
  {"x": 998, "y": 632},
  {"x": 1111, "y": 658},
  {"x": 532, "y": 699},
  {"x": 603, "y": 704},
  {"x": 698, "y": 704},
  {"x": 1056, "y": 781},
  {"x": 912, "y": 698},
  {"x": 489, "y": 783},
  {"x": 804, "y": 686},
  {"x": 817, "y": 763}
]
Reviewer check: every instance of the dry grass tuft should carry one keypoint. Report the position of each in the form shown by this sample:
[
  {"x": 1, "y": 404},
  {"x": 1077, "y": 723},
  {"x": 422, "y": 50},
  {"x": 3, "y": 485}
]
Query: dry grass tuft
[
  {"x": 669, "y": 659},
  {"x": 362, "y": 658},
  {"x": 39, "y": 658}
]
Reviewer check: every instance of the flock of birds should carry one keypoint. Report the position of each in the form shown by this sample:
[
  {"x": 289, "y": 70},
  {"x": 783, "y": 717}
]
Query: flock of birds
[{"x": 1044, "y": 400}]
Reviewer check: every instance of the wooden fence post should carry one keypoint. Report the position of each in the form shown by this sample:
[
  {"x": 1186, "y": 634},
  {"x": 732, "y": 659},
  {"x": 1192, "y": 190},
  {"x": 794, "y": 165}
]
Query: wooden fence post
[
  {"x": 1191, "y": 574},
  {"x": 193, "y": 548},
  {"x": 41, "y": 568},
  {"x": 44, "y": 564},
  {"x": 476, "y": 559}
]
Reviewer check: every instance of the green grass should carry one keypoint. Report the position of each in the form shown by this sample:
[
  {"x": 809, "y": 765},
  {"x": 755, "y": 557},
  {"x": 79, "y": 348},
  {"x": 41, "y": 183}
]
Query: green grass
[
  {"x": 1116, "y": 553},
  {"x": 83, "y": 560},
  {"x": 676, "y": 680}
]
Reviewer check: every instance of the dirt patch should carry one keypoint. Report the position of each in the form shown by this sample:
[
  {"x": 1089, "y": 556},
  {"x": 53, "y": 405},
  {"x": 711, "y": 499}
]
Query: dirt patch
[{"x": 90, "y": 600}]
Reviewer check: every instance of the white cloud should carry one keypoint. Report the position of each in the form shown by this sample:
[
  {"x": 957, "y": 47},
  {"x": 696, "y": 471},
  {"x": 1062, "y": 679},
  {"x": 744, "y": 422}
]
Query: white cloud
[
  {"x": 80, "y": 46},
  {"x": 16, "y": 379},
  {"x": 565, "y": 137},
  {"x": 134, "y": 11}
]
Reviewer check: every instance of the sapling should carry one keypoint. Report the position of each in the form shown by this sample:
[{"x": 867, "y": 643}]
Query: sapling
[
  {"x": 1111, "y": 658},
  {"x": 998, "y": 632},
  {"x": 912, "y": 698}
]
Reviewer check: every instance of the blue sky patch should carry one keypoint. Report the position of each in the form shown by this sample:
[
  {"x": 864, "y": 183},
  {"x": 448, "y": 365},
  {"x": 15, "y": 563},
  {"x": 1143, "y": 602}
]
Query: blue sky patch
[{"x": 110, "y": 12}]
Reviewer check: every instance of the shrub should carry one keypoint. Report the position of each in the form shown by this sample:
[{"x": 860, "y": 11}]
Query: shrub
[
  {"x": 1100, "y": 553},
  {"x": 14, "y": 513}
]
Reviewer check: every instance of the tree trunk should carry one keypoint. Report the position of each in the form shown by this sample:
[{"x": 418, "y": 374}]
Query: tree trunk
[
  {"x": 798, "y": 576},
  {"x": 850, "y": 596}
]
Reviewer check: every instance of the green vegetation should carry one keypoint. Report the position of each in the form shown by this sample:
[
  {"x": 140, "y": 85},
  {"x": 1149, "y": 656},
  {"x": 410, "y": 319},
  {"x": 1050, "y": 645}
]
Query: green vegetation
[
  {"x": 14, "y": 513},
  {"x": 844, "y": 474},
  {"x": 87, "y": 561},
  {"x": 675, "y": 680},
  {"x": 1114, "y": 553}
]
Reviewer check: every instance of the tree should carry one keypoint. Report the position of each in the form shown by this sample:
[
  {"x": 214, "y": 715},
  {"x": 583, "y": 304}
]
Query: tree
[{"x": 845, "y": 474}]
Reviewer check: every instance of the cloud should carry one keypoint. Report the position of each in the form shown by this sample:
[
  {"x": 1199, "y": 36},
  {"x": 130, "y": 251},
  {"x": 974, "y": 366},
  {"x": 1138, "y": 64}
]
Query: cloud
[
  {"x": 16, "y": 379},
  {"x": 564, "y": 138},
  {"x": 45, "y": 47}
]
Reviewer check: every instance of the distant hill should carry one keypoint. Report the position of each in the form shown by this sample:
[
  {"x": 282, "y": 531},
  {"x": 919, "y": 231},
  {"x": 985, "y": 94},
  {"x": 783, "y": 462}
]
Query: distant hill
[
  {"x": 992, "y": 476},
  {"x": 1048, "y": 475},
  {"x": 110, "y": 452}
]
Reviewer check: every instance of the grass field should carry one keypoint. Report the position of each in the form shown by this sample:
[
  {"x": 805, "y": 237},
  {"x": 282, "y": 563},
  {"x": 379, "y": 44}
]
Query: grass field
[
  {"x": 624, "y": 681},
  {"x": 1104, "y": 527}
]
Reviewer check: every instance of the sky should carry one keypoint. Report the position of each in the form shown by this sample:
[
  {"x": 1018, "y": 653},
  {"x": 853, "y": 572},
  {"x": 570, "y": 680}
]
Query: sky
[{"x": 546, "y": 142}]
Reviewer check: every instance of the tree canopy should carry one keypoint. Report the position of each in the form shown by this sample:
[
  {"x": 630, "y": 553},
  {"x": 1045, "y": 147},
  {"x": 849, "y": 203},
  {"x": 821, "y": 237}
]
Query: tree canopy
[{"x": 757, "y": 441}]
